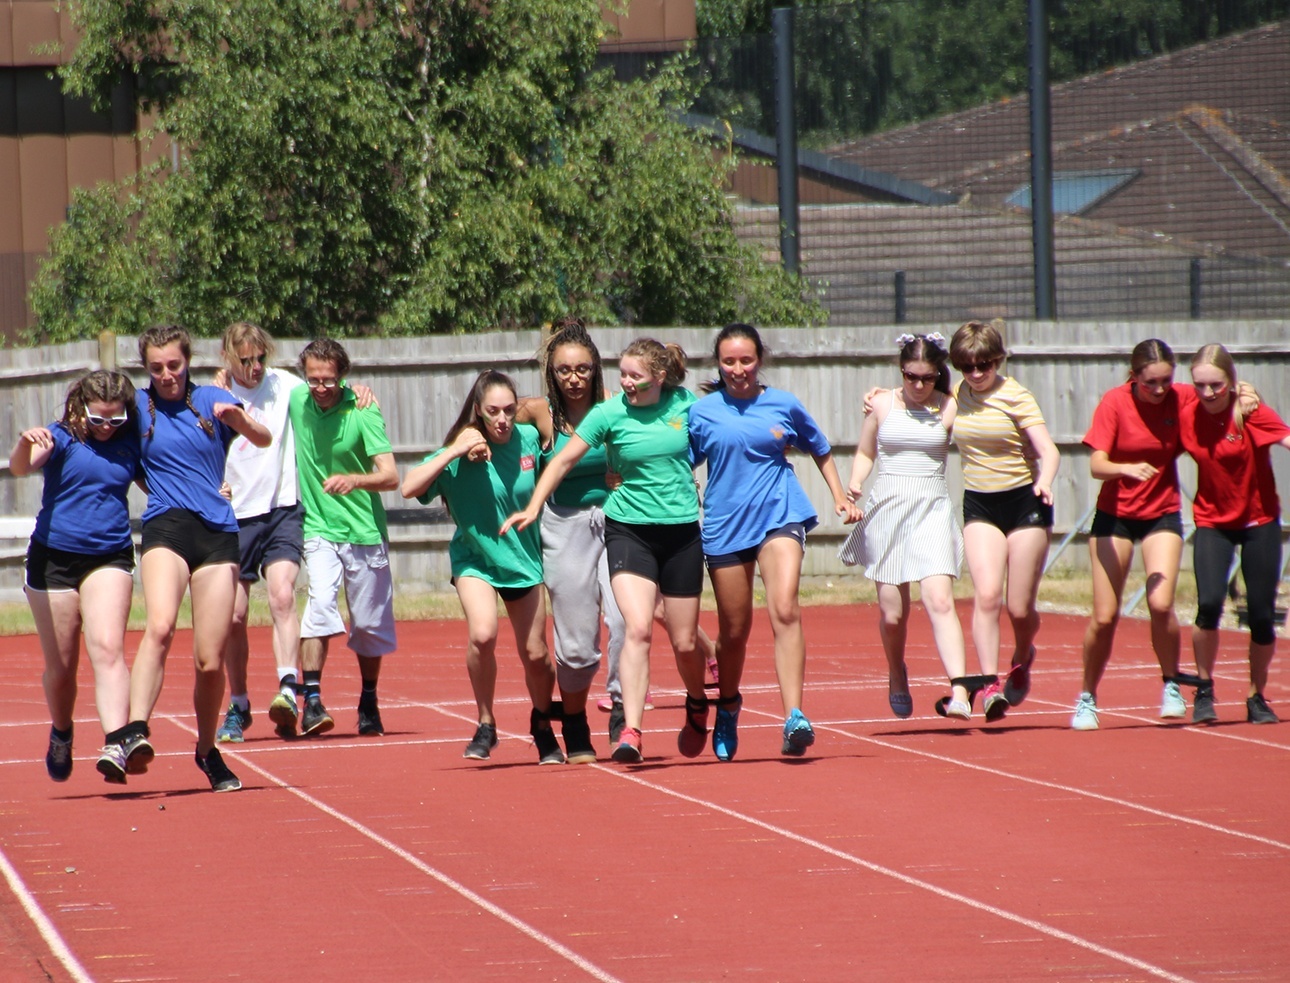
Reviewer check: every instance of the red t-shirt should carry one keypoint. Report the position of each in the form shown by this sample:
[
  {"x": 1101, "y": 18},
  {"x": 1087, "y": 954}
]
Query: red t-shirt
[
  {"x": 1235, "y": 486},
  {"x": 1129, "y": 431}
]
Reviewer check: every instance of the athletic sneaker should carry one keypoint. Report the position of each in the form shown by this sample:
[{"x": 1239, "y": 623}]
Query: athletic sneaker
[
  {"x": 693, "y": 736},
  {"x": 482, "y": 743},
  {"x": 1257, "y": 711},
  {"x": 213, "y": 767},
  {"x": 994, "y": 702},
  {"x": 315, "y": 719},
  {"x": 369, "y": 720},
  {"x": 1017, "y": 686},
  {"x": 111, "y": 764},
  {"x": 1202, "y": 708},
  {"x": 725, "y": 732},
  {"x": 1172, "y": 705},
  {"x": 617, "y": 718},
  {"x": 577, "y": 739},
  {"x": 798, "y": 734},
  {"x": 548, "y": 748},
  {"x": 1085, "y": 716},
  {"x": 235, "y": 721},
  {"x": 138, "y": 754},
  {"x": 58, "y": 759},
  {"x": 284, "y": 713},
  {"x": 628, "y": 751}
]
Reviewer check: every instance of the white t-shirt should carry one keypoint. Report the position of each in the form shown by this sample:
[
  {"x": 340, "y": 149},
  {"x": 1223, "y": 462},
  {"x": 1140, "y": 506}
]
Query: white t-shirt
[{"x": 264, "y": 478}]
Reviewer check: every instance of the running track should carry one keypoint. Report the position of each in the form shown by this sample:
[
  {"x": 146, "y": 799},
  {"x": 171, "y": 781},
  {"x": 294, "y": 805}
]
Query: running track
[{"x": 912, "y": 850}]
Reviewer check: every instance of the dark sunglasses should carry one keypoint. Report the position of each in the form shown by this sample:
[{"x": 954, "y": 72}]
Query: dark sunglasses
[
  {"x": 979, "y": 366},
  {"x": 253, "y": 360},
  {"x": 914, "y": 378},
  {"x": 107, "y": 421}
]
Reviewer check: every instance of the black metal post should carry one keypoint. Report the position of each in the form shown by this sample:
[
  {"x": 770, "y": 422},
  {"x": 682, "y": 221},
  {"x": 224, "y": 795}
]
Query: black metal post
[
  {"x": 786, "y": 138},
  {"x": 1193, "y": 286},
  {"x": 899, "y": 288},
  {"x": 1041, "y": 166}
]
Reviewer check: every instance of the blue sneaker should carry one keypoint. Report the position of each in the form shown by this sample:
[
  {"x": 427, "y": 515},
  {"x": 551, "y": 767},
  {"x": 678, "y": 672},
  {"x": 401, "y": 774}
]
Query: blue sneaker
[
  {"x": 235, "y": 721},
  {"x": 725, "y": 732},
  {"x": 798, "y": 734}
]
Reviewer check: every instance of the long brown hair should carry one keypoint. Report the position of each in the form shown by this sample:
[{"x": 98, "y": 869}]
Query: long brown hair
[
  {"x": 100, "y": 386},
  {"x": 159, "y": 337},
  {"x": 668, "y": 359},
  {"x": 469, "y": 415}
]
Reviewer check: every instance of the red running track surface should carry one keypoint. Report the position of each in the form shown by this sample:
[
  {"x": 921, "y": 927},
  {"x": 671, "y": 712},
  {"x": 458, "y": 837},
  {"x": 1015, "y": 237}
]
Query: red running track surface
[{"x": 915, "y": 849}]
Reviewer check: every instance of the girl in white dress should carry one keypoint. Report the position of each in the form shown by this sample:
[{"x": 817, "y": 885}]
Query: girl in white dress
[{"x": 909, "y": 531}]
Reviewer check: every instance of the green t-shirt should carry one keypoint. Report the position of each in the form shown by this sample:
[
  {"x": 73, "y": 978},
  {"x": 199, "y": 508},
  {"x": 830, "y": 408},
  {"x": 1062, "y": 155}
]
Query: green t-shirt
[
  {"x": 480, "y": 496},
  {"x": 584, "y": 485},
  {"x": 339, "y": 440},
  {"x": 650, "y": 447}
]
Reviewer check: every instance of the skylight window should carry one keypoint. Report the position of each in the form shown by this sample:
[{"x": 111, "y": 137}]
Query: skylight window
[{"x": 1076, "y": 192}]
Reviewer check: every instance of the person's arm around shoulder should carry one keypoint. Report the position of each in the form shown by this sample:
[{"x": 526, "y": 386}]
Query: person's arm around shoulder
[
  {"x": 548, "y": 482},
  {"x": 949, "y": 411},
  {"x": 234, "y": 416},
  {"x": 32, "y": 451},
  {"x": 419, "y": 479}
]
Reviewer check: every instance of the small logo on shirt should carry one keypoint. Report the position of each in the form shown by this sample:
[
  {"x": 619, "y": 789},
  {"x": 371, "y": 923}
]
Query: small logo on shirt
[
  {"x": 527, "y": 463},
  {"x": 777, "y": 433},
  {"x": 676, "y": 423}
]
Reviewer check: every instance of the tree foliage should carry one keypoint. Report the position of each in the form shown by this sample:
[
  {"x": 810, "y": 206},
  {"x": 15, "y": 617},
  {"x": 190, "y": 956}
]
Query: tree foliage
[{"x": 395, "y": 166}]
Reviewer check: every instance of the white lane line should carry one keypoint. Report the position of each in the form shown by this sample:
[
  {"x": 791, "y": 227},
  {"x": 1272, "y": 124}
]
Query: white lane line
[
  {"x": 1040, "y": 927},
  {"x": 523, "y": 927},
  {"x": 43, "y": 925}
]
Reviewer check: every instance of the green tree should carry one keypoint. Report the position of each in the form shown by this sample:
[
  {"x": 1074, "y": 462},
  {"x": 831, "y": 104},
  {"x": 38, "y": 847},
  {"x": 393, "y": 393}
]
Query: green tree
[{"x": 398, "y": 167}]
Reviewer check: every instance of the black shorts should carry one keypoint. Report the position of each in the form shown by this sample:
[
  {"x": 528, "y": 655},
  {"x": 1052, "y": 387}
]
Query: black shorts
[
  {"x": 268, "y": 538},
  {"x": 54, "y": 569},
  {"x": 1105, "y": 524},
  {"x": 1016, "y": 508},
  {"x": 508, "y": 594},
  {"x": 184, "y": 533},
  {"x": 793, "y": 530},
  {"x": 669, "y": 555}
]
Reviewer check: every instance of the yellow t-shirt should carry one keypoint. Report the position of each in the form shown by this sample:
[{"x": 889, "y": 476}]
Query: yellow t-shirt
[{"x": 997, "y": 455}]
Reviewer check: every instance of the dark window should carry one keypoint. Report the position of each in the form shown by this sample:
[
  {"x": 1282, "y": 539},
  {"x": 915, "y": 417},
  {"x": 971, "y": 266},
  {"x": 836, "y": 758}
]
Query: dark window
[{"x": 32, "y": 102}]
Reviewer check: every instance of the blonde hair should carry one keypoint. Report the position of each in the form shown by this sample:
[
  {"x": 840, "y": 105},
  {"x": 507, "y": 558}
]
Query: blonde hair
[
  {"x": 668, "y": 359},
  {"x": 241, "y": 333},
  {"x": 1220, "y": 358}
]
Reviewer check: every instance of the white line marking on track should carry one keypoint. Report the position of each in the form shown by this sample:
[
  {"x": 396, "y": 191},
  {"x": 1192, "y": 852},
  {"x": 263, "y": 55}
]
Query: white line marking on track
[
  {"x": 523, "y": 927},
  {"x": 43, "y": 925}
]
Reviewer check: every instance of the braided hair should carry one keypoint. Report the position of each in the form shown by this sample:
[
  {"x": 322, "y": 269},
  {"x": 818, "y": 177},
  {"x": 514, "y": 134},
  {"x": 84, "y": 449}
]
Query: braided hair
[
  {"x": 569, "y": 330},
  {"x": 100, "y": 386},
  {"x": 159, "y": 337}
]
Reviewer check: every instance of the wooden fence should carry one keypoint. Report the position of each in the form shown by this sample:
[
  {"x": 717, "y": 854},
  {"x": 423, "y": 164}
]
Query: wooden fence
[{"x": 421, "y": 383}]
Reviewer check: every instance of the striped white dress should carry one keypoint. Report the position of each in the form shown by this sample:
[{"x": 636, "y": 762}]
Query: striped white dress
[{"x": 910, "y": 530}]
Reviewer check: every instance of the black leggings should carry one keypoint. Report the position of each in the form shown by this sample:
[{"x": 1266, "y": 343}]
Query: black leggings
[{"x": 1260, "y": 568}]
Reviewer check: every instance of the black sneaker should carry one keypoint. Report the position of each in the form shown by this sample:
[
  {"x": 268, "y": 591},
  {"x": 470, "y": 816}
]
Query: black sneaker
[
  {"x": 213, "y": 767},
  {"x": 1257, "y": 711},
  {"x": 138, "y": 753},
  {"x": 369, "y": 720},
  {"x": 58, "y": 759},
  {"x": 577, "y": 739},
  {"x": 548, "y": 748},
  {"x": 482, "y": 743},
  {"x": 315, "y": 719},
  {"x": 617, "y": 720},
  {"x": 1202, "y": 708}
]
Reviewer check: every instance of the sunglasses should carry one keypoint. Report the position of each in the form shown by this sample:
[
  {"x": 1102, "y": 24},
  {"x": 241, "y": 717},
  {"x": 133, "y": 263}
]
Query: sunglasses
[
  {"x": 114, "y": 422},
  {"x": 979, "y": 366},
  {"x": 254, "y": 360},
  {"x": 913, "y": 378},
  {"x": 323, "y": 384}
]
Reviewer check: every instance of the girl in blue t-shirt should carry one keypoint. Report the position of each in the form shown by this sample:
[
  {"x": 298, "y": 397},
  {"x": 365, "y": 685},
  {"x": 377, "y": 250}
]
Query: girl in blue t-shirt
[
  {"x": 81, "y": 558},
  {"x": 756, "y": 513},
  {"x": 189, "y": 540},
  {"x": 487, "y": 467}
]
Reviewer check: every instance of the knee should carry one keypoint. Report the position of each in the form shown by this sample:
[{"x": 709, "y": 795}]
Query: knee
[
  {"x": 893, "y": 620},
  {"x": 638, "y": 635},
  {"x": 282, "y": 601},
  {"x": 785, "y": 615},
  {"x": 1104, "y": 622},
  {"x": 161, "y": 632},
  {"x": 1208, "y": 615},
  {"x": 482, "y": 642},
  {"x": 989, "y": 601},
  {"x": 1263, "y": 631},
  {"x": 938, "y": 604}
]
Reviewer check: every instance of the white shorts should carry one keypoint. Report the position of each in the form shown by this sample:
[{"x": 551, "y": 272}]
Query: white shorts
[{"x": 369, "y": 594}]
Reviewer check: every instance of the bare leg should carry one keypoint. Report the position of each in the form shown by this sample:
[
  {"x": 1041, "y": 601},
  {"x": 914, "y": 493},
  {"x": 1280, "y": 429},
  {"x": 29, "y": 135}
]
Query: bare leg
[
  {"x": 1161, "y": 553},
  {"x": 214, "y": 589},
  {"x": 1110, "y": 558},
  {"x": 1027, "y": 550},
  {"x": 237, "y": 650},
  {"x": 58, "y": 622},
  {"x": 635, "y": 596},
  {"x": 987, "y": 556},
  {"x": 938, "y": 600},
  {"x": 479, "y": 602},
  {"x": 105, "y": 605},
  {"x": 780, "y": 562},
  {"x": 528, "y": 621},
  {"x": 280, "y": 580},
  {"x": 165, "y": 578},
  {"x": 732, "y": 586},
  {"x": 893, "y": 627}
]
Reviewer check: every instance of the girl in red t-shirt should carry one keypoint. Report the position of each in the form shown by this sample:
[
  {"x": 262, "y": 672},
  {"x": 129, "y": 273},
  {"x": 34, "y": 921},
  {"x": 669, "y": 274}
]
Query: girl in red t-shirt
[
  {"x": 1236, "y": 505},
  {"x": 1134, "y": 442}
]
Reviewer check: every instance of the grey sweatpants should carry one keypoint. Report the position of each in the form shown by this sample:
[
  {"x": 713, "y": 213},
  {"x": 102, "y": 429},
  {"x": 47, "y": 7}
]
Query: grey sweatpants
[{"x": 576, "y": 571}]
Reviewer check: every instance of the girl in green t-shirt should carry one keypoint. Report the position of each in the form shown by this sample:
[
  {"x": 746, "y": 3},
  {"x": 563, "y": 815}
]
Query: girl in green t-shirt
[
  {"x": 651, "y": 527},
  {"x": 485, "y": 470}
]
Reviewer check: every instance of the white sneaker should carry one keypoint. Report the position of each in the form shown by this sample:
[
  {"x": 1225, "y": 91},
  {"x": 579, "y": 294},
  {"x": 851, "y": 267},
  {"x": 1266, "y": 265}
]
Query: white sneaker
[
  {"x": 1172, "y": 704},
  {"x": 1085, "y": 716}
]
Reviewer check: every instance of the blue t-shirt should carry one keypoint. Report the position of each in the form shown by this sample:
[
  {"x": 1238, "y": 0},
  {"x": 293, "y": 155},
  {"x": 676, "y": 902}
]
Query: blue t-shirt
[
  {"x": 751, "y": 487},
  {"x": 184, "y": 467},
  {"x": 83, "y": 507}
]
